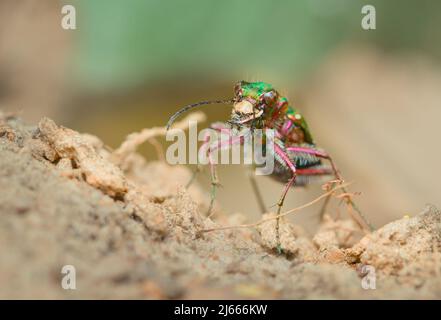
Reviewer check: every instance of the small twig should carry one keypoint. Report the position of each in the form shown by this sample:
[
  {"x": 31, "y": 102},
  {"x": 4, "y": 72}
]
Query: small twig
[
  {"x": 255, "y": 224},
  {"x": 158, "y": 147},
  {"x": 364, "y": 224},
  {"x": 135, "y": 139}
]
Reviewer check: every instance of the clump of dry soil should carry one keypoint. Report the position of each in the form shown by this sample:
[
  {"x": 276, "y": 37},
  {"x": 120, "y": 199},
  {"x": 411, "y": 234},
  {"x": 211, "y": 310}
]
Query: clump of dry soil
[{"x": 132, "y": 231}]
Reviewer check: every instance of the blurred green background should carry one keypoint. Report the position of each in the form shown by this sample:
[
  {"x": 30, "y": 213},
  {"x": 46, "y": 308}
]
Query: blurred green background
[
  {"x": 158, "y": 55},
  {"x": 371, "y": 97},
  {"x": 121, "y": 44}
]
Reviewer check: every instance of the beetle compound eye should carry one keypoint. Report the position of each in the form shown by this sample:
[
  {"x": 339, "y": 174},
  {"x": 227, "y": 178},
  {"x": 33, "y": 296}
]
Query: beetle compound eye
[
  {"x": 238, "y": 90},
  {"x": 269, "y": 97}
]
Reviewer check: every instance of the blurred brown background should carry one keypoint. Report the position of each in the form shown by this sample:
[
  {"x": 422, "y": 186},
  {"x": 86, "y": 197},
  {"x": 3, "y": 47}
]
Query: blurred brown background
[{"x": 372, "y": 98}]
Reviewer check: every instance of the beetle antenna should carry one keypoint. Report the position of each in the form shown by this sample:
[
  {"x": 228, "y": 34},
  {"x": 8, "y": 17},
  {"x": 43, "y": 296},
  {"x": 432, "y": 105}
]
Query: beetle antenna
[{"x": 194, "y": 105}]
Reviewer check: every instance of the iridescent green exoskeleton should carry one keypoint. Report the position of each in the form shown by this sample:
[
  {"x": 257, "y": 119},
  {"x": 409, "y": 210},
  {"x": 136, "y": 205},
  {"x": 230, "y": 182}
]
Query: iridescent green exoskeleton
[{"x": 258, "y": 105}]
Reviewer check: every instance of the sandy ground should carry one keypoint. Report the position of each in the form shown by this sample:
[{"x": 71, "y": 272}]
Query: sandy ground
[{"x": 132, "y": 231}]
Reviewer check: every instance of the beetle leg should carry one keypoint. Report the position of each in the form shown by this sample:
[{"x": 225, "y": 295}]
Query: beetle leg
[
  {"x": 282, "y": 156},
  {"x": 222, "y": 144},
  {"x": 193, "y": 176},
  {"x": 324, "y": 155},
  {"x": 256, "y": 191},
  {"x": 215, "y": 126}
]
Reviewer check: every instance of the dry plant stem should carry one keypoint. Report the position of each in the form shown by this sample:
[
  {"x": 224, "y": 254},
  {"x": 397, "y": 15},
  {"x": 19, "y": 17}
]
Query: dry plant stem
[
  {"x": 353, "y": 216},
  {"x": 133, "y": 140},
  {"x": 158, "y": 147},
  {"x": 255, "y": 224},
  {"x": 364, "y": 224}
]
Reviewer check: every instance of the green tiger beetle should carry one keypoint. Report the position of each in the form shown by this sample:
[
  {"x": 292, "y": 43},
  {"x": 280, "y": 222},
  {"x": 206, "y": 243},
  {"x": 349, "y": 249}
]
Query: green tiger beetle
[{"x": 257, "y": 105}]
